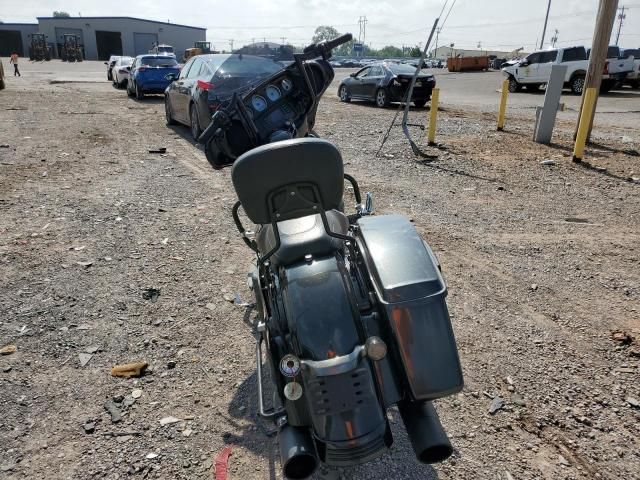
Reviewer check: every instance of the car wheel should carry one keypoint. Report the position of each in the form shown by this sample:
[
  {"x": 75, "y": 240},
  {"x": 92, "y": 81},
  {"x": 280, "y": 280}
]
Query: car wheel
[
  {"x": 344, "y": 94},
  {"x": 129, "y": 91},
  {"x": 167, "y": 111},
  {"x": 382, "y": 99},
  {"x": 420, "y": 103},
  {"x": 514, "y": 86},
  {"x": 577, "y": 84},
  {"x": 109, "y": 76},
  {"x": 139, "y": 94},
  {"x": 195, "y": 123},
  {"x": 635, "y": 84}
]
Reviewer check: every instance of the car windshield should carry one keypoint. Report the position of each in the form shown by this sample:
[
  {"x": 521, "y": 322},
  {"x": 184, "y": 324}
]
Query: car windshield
[
  {"x": 237, "y": 73},
  {"x": 635, "y": 53},
  {"x": 165, "y": 49},
  {"x": 158, "y": 62},
  {"x": 398, "y": 69}
]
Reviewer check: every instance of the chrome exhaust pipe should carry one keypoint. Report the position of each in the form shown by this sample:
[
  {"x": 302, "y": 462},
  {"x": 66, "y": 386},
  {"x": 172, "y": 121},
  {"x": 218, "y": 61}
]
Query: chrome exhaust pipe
[
  {"x": 297, "y": 452},
  {"x": 428, "y": 438}
]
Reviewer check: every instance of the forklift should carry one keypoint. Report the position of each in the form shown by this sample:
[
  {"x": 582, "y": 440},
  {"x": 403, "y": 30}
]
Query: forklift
[
  {"x": 199, "y": 48},
  {"x": 71, "y": 50},
  {"x": 38, "y": 49}
]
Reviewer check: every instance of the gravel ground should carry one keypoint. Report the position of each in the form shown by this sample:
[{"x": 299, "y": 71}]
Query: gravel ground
[{"x": 110, "y": 255}]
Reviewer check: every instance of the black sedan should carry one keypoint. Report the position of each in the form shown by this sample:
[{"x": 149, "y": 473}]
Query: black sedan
[
  {"x": 205, "y": 80},
  {"x": 385, "y": 83}
]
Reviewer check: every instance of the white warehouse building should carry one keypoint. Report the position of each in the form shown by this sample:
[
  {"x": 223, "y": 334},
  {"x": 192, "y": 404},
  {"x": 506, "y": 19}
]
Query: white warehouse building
[{"x": 101, "y": 37}]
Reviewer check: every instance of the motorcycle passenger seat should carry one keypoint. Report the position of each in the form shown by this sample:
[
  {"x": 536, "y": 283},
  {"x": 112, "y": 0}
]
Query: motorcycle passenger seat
[{"x": 302, "y": 236}]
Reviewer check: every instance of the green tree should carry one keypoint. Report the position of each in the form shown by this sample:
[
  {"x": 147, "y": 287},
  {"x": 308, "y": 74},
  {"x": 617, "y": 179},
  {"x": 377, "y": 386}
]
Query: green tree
[
  {"x": 61, "y": 14},
  {"x": 390, "y": 51},
  {"x": 415, "y": 52},
  {"x": 324, "y": 32}
]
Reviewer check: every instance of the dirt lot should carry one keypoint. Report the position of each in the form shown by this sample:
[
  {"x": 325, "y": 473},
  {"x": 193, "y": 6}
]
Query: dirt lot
[{"x": 542, "y": 262}]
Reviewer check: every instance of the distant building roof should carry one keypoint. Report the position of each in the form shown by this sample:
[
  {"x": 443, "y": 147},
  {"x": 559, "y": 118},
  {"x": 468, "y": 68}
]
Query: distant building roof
[
  {"x": 18, "y": 23},
  {"x": 120, "y": 18}
]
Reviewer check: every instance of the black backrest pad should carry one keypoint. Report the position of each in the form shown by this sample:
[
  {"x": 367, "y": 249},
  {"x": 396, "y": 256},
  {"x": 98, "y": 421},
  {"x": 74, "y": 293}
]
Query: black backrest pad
[{"x": 266, "y": 178}]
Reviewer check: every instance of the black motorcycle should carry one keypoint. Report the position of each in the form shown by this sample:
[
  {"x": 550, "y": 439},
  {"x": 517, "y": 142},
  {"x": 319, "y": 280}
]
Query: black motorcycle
[{"x": 351, "y": 309}]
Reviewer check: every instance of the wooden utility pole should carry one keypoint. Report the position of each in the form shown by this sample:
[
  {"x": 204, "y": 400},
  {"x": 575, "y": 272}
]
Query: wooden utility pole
[{"x": 599, "y": 46}]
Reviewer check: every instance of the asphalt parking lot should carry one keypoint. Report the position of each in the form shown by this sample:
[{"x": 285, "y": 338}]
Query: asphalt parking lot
[{"x": 113, "y": 252}]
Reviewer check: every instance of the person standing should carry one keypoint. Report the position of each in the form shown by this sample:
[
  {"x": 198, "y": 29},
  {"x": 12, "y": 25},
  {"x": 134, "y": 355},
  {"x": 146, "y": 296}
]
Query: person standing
[{"x": 14, "y": 60}]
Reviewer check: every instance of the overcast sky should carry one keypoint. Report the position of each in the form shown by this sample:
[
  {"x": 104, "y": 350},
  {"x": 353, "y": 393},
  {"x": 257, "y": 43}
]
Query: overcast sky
[{"x": 495, "y": 24}]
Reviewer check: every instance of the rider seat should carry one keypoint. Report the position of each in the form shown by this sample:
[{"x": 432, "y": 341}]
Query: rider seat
[{"x": 287, "y": 187}]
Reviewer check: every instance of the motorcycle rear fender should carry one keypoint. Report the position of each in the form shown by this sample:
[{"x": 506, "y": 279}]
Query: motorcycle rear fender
[{"x": 325, "y": 333}]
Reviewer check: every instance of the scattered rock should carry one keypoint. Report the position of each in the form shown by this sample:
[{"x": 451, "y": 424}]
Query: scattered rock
[
  {"x": 137, "y": 393},
  {"x": 187, "y": 432},
  {"x": 8, "y": 350},
  {"x": 151, "y": 294},
  {"x": 84, "y": 358},
  {"x": 229, "y": 298},
  {"x": 210, "y": 306},
  {"x": 128, "y": 401},
  {"x": 633, "y": 402},
  {"x": 129, "y": 369},
  {"x": 85, "y": 264},
  {"x": 534, "y": 287},
  {"x": 509, "y": 380},
  {"x": 518, "y": 399},
  {"x": 169, "y": 420},
  {"x": 621, "y": 337},
  {"x": 7, "y": 369},
  {"x": 89, "y": 427},
  {"x": 548, "y": 162},
  {"x": 171, "y": 364},
  {"x": 496, "y": 404},
  {"x": 563, "y": 461},
  {"x": 114, "y": 410},
  {"x": 92, "y": 349},
  {"x": 151, "y": 456}
]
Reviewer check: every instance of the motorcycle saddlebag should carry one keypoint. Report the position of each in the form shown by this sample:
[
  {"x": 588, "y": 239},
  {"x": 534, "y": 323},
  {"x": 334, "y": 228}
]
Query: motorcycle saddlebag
[{"x": 411, "y": 290}]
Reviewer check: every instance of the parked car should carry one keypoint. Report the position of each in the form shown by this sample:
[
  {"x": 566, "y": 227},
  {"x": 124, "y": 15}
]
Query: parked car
[
  {"x": 619, "y": 65},
  {"x": 384, "y": 83},
  {"x": 148, "y": 74},
  {"x": 110, "y": 63},
  {"x": 193, "y": 95},
  {"x": 633, "y": 78},
  {"x": 120, "y": 71},
  {"x": 535, "y": 69},
  {"x": 162, "y": 49}
]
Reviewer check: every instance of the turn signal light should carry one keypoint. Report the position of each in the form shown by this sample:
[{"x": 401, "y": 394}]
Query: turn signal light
[{"x": 376, "y": 348}]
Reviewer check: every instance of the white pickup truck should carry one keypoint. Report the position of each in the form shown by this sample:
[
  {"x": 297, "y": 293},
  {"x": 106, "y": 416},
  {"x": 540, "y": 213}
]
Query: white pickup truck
[
  {"x": 633, "y": 78},
  {"x": 535, "y": 69}
]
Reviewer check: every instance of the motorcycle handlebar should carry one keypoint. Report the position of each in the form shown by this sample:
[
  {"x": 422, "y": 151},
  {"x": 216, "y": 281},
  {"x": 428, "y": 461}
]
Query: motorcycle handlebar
[{"x": 324, "y": 48}]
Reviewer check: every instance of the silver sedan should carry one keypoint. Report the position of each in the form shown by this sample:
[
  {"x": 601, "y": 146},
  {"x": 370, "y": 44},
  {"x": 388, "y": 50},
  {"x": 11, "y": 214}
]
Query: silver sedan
[{"x": 120, "y": 71}]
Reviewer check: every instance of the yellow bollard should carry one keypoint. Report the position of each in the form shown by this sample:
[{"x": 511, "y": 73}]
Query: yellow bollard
[
  {"x": 433, "y": 115},
  {"x": 503, "y": 104},
  {"x": 583, "y": 127}
]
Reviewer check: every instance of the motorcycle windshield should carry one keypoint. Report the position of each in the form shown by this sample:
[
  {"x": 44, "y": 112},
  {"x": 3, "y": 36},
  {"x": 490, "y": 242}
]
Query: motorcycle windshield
[{"x": 238, "y": 73}]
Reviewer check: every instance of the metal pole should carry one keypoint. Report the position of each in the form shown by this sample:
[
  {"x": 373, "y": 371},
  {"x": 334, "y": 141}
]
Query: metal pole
[
  {"x": 433, "y": 115},
  {"x": 503, "y": 104},
  {"x": 544, "y": 30},
  {"x": 591, "y": 95}
]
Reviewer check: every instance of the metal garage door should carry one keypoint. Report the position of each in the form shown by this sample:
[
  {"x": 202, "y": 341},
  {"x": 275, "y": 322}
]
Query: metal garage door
[
  {"x": 10, "y": 41},
  {"x": 143, "y": 42}
]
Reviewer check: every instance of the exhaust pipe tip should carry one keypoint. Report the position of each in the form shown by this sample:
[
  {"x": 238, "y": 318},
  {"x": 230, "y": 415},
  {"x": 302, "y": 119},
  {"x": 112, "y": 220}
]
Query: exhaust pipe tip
[
  {"x": 428, "y": 438},
  {"x": 300, "y": 466},
  {"x": 435, "y": 454},
  {"x": 297, "y": 453}
]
